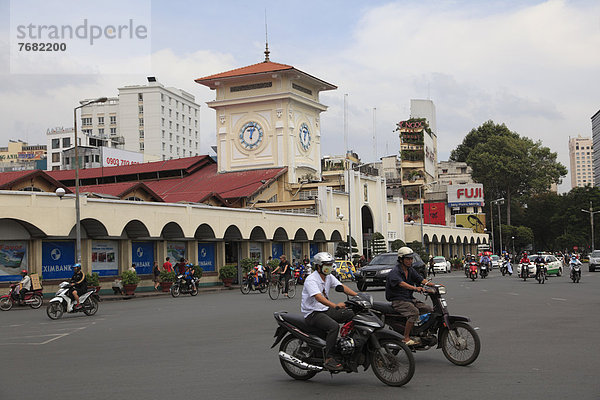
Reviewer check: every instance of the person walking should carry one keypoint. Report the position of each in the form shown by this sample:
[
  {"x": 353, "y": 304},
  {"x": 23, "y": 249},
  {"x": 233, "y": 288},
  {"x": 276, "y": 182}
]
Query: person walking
[
  {"x": 167, "y": 266},
  {"x": 155, "y": 275},
  {"x": 431, "y": 270}
]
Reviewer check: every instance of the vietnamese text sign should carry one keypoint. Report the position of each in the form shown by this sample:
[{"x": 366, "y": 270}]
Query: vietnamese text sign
[
  {"x": 206, "y": 256},
  {"x": 142, "y": 255},
  {"x": 58, "y": 259}
]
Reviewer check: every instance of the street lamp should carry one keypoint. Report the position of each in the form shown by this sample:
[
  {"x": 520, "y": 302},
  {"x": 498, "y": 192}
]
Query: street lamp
[
  {"x": 349, "y": 168},
  {"x": 513, "y": 241},
  {"x": 499, "y": 202},
  {"x": 591, "y": 212},
  {"x": 421, "y": 211},
  {"x": 77, "y": 210}
]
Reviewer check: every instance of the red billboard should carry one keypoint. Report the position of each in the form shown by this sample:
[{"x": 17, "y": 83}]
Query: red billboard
[{"x": 434, "y": 213}]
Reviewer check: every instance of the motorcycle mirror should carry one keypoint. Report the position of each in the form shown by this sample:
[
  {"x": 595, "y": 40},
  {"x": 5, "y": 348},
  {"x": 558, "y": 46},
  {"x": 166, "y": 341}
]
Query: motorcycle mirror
[{"x": 339, "y": 288}]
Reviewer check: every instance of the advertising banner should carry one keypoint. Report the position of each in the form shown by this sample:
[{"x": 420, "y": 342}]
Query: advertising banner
[
  {"x": 297, "y": 252},
  {"x": 142, "y": 255},
  {"x": 57, "y": 260},
  {"x": 314, "y": 249},
  {"x": 13, "y": 259},
  {"x": 112, "y": 157},
  {"x": 105, "y": 257},
  {"x": 465, "y": 195},
  {"x": 206, "y": 256},
  {"x": 429, "y": 156},
  {"x": 434, "y": 213},
  {"x": 474, "y": 221},
  {"x": 175, "y": 250},
  {"x": 277, "y": 250}
]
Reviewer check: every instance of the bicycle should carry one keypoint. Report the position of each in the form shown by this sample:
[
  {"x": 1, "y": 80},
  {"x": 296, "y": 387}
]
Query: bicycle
[{"x": 276, "y": 287}]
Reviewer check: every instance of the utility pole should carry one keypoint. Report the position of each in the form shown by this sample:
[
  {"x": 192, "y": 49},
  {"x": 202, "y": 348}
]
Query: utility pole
[{"x": 591, "y": 212}]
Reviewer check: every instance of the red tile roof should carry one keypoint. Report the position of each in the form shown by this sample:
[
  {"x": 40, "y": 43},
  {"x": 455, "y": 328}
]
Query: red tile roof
[
  {"x": 8, "y": 179},
  {"x": 259, "y": 68},
  {"x": 119, "y": 189}
]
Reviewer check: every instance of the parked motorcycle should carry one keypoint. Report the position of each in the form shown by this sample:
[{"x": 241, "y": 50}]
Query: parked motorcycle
[
  {"x": 540, "y": 272},
  {"x": 472, "y": 272},
  {"x": 575, "y": 272},
  {"x": 33, "y": 299},
  {"x": 62, "y": 302},
  {"x": 248, "y": 284},
  {"x": 364, "y": 341},
  {"x": 452, "y": 333},
  {"x": 184, "y": 286},
  {"x": 483, "y": 270}
]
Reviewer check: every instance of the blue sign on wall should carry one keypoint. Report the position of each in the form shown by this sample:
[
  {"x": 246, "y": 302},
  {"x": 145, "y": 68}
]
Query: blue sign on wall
[
  {"x": 142, "y": 255},
  {"x": 277, "y": 250},
  {"x": 314, "y": 249},
  {"x": 57, "y": 260},
  {"x": 206, "y": 256}
]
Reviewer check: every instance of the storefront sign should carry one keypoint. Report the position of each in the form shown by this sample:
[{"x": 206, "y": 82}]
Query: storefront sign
[
  {"x": 57, "y": 260},
  {"x": 206, "y": 256},
  {"x": 435, "y": 213},
  {"x": 13, "y": 259},
  {"x": 142, "y": 255},
  {"x": 105, "y": 257},
  {"x": 465, "y": 195}
]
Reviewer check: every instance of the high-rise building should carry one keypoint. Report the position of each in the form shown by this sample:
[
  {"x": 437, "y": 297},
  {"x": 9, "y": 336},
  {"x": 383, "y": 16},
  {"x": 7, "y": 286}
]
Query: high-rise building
[
  {"x": 596, "y": 144},
  {"x": 580, "y": 156}
]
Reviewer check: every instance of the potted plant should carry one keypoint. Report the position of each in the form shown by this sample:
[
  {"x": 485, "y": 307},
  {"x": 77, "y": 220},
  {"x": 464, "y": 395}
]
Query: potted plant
[
  {"x": 198, "y": 272},
  {"x": 130, "y": 280},
  {"x": 166, "y": 280},
  {"x": 93, "y": 280},
  {"x": 227, "y": 273}
]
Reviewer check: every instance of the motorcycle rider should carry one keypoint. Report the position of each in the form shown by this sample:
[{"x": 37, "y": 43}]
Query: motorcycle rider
[
  {"x": 401, "y": 282},
  {"x": 259, "y": 272},
  {"x": 78, "y": 284},
  {"x": 539, "y": 261},
  {"x": 485, "y": 260},
  {"x": 189, "y": 276},
  {"x": 573, "y": 262},
  {"x": 25, "y": 285},
  {"x": 321, "y": 313}
]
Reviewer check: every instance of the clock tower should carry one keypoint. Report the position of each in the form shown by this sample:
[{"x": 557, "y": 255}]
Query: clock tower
[{"x": 268, "y": 117}]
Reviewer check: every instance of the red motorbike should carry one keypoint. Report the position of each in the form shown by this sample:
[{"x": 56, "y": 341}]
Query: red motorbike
[
  {"x": 471, "y": 270},
  {"x": 33, "y": 298}
]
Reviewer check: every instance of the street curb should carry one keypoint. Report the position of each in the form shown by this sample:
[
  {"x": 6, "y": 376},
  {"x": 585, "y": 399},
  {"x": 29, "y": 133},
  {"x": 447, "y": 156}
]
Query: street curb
[{"x": 140, "y": 295}]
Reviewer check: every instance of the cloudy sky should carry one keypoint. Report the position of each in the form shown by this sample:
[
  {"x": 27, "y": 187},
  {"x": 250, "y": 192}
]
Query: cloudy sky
[{"x": 533, "y": 65}]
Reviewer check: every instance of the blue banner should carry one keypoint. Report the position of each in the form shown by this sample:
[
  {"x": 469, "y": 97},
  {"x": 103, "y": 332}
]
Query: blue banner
[
  {"x": 206, "y": 256},
  {"x": 142, "y": 255},
  {"x": 57, "y": 260},
  {"x": 314, "y": 249},
  {"x": 276, "y": 250}
]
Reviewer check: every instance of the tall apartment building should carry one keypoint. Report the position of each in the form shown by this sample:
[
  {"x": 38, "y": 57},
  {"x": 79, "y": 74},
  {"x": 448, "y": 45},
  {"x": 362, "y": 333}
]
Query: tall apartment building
[
  {"x": 596, "y": 144},
  {"x": 580, "y": 157},
  {"x": 454, "y": 173}
]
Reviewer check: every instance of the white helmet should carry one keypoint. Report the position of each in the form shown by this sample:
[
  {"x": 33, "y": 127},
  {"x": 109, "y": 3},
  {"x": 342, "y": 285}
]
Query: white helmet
[
  {"x": 325, "y": 261},
  {"x": 405, "y": 252}
]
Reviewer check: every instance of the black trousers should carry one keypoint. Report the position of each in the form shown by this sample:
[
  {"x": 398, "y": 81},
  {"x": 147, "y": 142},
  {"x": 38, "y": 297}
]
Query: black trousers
[{"x": 329, "y": 321}]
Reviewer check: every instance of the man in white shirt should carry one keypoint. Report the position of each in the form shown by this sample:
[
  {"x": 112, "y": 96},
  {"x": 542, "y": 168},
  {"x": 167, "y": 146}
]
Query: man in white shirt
[
  {"x": 25, "y": 285},
  {"x": 321, "y": 313}
]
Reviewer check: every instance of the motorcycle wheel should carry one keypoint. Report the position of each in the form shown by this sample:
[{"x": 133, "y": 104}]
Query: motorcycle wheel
[
  {"x": 90, "y": 307},
  {"x": 5, "y": 304},
  {"x": 361, "y": 286},
  {"x": 503, "y": 271},
  {"x": 543, "y": 278},
  {"x": 54, "y": 310},
  {"x": 274, "y": 290},
  {"x": 194, "y": 291},
  {"x": 299, "y": 349},
  {"x": 245, "y": 288},
  {"x": 397, "y": 366},
  {"x": 559, "y": 273},
  {"x": 37, "y": 301},
  {"x": 466, "y": 350},
  {"x": 291, "y": 289},
  {"x": 175, "y": 292},
  {"x": 262, "y": 288}
]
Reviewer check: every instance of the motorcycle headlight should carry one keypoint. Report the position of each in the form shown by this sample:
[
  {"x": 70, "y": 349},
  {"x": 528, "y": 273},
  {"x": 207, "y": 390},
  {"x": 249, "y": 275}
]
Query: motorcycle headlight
[
  {"x": 441, "y": 289},
  {"x": 385, "y": 271}
]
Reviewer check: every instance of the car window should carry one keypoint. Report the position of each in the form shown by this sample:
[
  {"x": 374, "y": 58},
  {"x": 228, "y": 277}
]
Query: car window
[
  {"x": 388, "y": 259},
  {"x": 552, "y": 258},
  {"x": 438, "y": 259},
  {"x": 595, "y": 253},
  {"x": 495, "y": 258}
]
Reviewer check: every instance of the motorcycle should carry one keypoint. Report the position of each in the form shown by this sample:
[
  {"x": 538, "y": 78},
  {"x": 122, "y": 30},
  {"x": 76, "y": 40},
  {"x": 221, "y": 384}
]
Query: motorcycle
[
  {"x": 575, "y": 272},
  {"x": 62, "y": 302},
  {"x": 504, "y": 269},
  {"x": 33, "y": 298},
  {"x": 524, "y": 271},
  {"x": 184, "y": 286},
  {"x": 248, "y": 284},
  {"x": 483, "y": 270},
  {"x": 300, "y": 274},
  {"x": 364, "y": 341},
  {"x": 472, "y": 271},
  {"x": 452, "y": 333},
  {"x": 540, "y": 272}
]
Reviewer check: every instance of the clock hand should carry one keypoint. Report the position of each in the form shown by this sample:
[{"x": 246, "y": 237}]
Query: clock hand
[{"x": 251, "y": 132}]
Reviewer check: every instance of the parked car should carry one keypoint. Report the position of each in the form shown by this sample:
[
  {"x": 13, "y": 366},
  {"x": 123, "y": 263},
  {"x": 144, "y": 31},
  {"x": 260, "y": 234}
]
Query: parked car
[
  {"x": 343, "y": 269},
  {"x": 495, "y": 261},
  {"x": 440, "y": 264},
  {"x": 594, "y": 260},
  {"x": 553, "y": 265},
  {"x": 375, "y": 272}
]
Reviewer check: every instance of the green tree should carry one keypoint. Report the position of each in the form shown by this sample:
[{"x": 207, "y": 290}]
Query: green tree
[
  {"x": 479, "y": 135},
  {"x": 420, "y": 250},
  {"x": 342, "y": 249},
  {"x": 378, "y": 244},
  {"x": 523, "y": 237},
  {"x": 396, "y": 244}
]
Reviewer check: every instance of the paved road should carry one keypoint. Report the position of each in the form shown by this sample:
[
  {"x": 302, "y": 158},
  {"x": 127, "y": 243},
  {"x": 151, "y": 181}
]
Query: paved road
[{"x": 538, "y": 342}]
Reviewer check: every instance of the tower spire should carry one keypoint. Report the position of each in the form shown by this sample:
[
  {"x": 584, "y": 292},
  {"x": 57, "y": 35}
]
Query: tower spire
[{"x": 266, "y": 39}]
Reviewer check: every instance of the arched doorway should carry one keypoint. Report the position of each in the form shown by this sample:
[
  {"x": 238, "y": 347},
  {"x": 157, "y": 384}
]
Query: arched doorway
[{"x": 367, "y": 231}]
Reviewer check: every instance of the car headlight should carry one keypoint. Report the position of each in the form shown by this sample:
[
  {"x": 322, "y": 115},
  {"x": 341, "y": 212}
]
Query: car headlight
[{"x": 385, "y": 271}]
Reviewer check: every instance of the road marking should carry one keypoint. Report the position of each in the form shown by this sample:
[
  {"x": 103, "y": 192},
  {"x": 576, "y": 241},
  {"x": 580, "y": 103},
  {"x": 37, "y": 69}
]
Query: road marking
[
  {"x": 484, "y": 290},
  {"x": 513, "y": 294},
  {"x": 558, "y": 298},
  {"x": 55, "y": 337},
  {"x": 15, "y": 325}
]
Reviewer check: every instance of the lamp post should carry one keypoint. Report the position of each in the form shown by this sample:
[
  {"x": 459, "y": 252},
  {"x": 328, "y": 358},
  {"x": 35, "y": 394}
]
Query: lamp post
[
  {"x": 349, "y": 209},
  {"x": 513, "y": 242},
  {"x": 591, "y": 212},
  {"x": 492, "y": 223},
  {"x": 77, "y": 209},
  {"x": 421, "y": 212},
  {"x": 498, "y": 202}
]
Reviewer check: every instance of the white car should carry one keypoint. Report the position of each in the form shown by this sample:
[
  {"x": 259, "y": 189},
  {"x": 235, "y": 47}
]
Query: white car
[
  {"x": 553, "y": 265},
  {"x": 495, "y": 261},
  {"x": 594, "y": 260},
  {"x": 440, "y": 264}
]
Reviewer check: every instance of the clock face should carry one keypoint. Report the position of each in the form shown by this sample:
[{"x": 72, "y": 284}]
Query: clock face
[
  {"x": 251, "y": 135},
  {"x": 304, "y": 135}
]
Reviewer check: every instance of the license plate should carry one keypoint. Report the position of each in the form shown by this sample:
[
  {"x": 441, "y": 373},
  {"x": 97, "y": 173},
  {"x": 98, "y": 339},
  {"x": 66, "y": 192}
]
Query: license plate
[{"x": 369, "y": 280}]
